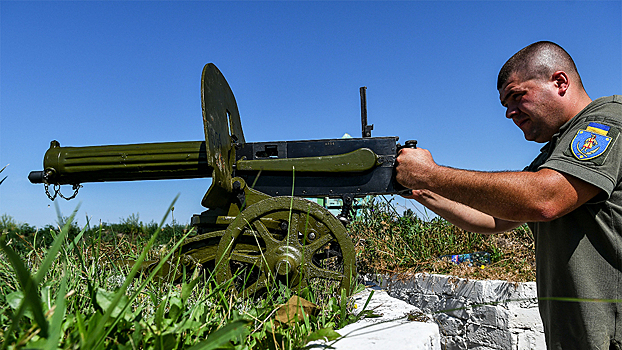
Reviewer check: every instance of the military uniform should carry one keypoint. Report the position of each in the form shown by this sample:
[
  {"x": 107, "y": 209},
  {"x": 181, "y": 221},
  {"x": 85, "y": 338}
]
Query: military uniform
[{"x": 579, "y": 255}]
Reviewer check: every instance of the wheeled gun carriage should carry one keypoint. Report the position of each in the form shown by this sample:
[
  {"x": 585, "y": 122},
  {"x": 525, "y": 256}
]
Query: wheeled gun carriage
[{"x": 257, "y": 224}]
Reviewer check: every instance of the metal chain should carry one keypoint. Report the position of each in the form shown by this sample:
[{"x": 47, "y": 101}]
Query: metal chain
[
  {"x": 47, "y": 191},
  {"x": 75, "y": 187}
]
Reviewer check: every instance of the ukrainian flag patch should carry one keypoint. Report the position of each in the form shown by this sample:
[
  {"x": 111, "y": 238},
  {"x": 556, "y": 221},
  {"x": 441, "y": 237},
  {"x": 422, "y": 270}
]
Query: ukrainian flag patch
[{"x": 591, "y": 142}]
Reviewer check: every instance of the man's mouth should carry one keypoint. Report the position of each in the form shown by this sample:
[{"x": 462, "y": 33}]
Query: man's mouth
[{"x": 520, "y": 122}]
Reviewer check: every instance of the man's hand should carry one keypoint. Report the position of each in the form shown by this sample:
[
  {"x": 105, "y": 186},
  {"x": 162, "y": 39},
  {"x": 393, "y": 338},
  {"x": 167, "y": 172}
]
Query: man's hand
[
  {"x": 415, "y": 168},
  {"x": 417, "y": 195}
]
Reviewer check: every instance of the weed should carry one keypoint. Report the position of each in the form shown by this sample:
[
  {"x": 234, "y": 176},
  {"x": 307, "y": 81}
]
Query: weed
[
  {"x": 387, "y": 242},
  {"x": 66, "y": 292}
]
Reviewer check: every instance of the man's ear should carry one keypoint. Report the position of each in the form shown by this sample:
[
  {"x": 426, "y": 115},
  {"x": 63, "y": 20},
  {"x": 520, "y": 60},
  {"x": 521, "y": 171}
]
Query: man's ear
[{"x": 561, "y": 81}]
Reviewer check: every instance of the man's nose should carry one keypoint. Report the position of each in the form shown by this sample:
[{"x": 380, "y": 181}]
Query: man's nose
[{"x": 511, "y": 111}]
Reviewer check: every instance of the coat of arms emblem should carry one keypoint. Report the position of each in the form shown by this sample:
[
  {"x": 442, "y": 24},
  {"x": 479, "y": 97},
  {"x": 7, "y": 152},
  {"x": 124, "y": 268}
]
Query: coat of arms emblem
[{"x": 591, "y": 142}]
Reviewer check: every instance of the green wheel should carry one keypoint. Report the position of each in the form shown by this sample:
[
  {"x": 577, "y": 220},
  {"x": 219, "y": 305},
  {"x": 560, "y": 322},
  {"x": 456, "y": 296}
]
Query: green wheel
[{"x": 285, "y": 240}]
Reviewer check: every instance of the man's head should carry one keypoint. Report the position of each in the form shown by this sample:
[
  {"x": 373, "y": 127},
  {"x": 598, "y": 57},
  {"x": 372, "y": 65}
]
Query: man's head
[
  {"x": 541, "y": 89},
  {"x": 539, "y": 60}
]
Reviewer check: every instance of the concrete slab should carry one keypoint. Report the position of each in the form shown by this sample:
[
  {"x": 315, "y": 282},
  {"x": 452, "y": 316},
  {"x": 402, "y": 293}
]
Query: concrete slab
[{"x": 391, "y": 330}]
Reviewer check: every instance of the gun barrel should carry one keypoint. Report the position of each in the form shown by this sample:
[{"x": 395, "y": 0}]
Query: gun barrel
[{"x": 147, "y": 161}]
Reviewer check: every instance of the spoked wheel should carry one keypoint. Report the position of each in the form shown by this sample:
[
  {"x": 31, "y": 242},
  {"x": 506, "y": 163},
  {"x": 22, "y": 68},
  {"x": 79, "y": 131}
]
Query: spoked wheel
[{"x": 285, "y": 240}]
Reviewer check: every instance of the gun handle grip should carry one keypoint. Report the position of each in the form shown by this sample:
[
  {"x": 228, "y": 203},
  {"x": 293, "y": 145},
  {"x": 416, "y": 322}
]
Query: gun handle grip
[
  {"x": 411, "y": 144},
  {"x": 408, "y": 144},
  {"x": 401, "y": 190}
]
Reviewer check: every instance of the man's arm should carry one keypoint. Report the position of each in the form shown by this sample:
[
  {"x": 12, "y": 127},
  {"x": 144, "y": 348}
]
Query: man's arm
[
  {"x": 512, "y": 196},
  {"x": 461, "y": 215}
]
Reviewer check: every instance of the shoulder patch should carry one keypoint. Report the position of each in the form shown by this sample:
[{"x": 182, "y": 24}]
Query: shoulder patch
[{"x": 591, "y": 142}]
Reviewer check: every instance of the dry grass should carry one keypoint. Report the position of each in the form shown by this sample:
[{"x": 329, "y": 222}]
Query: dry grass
[{"x": 386, "y": 242}]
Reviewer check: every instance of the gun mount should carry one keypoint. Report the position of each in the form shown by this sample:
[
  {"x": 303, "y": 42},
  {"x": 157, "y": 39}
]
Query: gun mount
[{"x": 257, "y": 228}]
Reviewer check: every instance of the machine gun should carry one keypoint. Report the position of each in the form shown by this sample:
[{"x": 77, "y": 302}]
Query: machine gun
[{"x": 258, "y": 229}]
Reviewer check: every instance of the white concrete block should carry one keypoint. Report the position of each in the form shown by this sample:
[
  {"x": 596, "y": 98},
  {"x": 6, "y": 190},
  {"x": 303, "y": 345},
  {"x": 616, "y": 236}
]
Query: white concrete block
[
  {"x": 450, "y": 326},
  {"x": 453, "y": 343},
  {"x": 525, "y": 318},
  {"x": 489, "y": 315},
  {"x": 457, "y": 307},
  {"x": 486, "y": 337},
  {"x": 394, "y": 335},
  {"x": 530, "y": 340},
  {"x": 429, "y": 303},
  {"x": 390, "y": 331},
  {"x": 475, "y": 314},
  {"x": 472, "y": 291}
]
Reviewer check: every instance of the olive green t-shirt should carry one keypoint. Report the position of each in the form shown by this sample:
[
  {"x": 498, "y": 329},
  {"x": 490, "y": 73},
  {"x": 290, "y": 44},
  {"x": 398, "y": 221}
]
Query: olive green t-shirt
[{"x": 579, "y": 255}]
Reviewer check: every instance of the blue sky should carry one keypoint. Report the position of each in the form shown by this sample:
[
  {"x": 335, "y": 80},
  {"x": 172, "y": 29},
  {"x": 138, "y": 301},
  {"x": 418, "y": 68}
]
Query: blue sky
[{"x": 92, "y": 73}]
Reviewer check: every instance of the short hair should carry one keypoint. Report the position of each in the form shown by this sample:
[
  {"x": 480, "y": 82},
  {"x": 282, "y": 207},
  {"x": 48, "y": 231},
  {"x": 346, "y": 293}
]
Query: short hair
[{"x": 538, "y": 60}]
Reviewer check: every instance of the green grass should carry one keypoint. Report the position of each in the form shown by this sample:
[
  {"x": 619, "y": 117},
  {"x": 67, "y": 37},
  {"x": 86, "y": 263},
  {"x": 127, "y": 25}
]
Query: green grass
[
  {"x": 129, "y": 235},
  {"x": 60, "y": 288}
]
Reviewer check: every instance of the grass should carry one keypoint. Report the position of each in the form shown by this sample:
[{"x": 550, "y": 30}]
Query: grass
[
  {"x": 119, "y": 240},
  {"x": 388, "y": 242},
  {"x": 61, "y": 289}
]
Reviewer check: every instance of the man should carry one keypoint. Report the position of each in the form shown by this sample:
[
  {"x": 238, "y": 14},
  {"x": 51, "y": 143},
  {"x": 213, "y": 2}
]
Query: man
[{"x": 570, "y": 196}]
